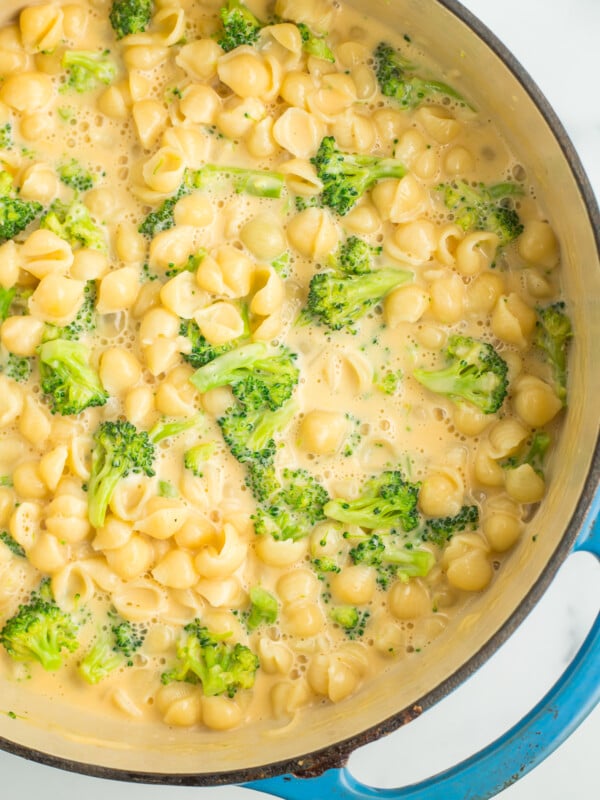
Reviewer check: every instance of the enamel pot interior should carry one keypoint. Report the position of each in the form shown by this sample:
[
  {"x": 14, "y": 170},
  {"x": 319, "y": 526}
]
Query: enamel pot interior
[{"x": 67, "y": 735}]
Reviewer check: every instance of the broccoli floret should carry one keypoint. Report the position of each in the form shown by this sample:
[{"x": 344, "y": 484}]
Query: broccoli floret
[
  {"x": 15, "y": 214},
  {"x": 6, "y": 140},
  {"x": 256, "y": 182},
  {"x": 119, "y": 449},
  {"x": 100, "y": 660},
  {"x": 162, "y": 219},
  {"x": 207, "y": 658},
  {"x": 475, "y": 373},
  {"x": 350, "y": 619},
  {"x": 73, "y": 174},
  {"x": 553, "y": 334},
  {"x": 85, "y": 320},
  {"x": 130, "y": 16},
  {"x": 390, "y": 557},
  {"x": 240, "y": 26},
  {"x": 166, "y": 429},
  {"x": 355, "y": 256},
  {"x": 313, "y": 44},
  {"x": 195, "y": 458},
  {"x": 14, "y": 547},
  {"x": 347, "y": 176},
  {"x": 191, "y": 265},
  {"x": 262, "y": 479},
  {"x": 481, "y": 208},
  {"x": 17, "y": 367},
  {"x": 388, "y": 382},
  {"x": 73, "y": 223},
  {"x": 441, "y": 529},
  {"x": 40, "y": 631},
  {"x": 86, "y": 69},
  {"x": 532, "y": 453},
  {"x": 263, "y": 608},
  {"x": 202, "y": 351},
  {"x": 395, "y": 80},
  {"x": 339, "y": 301},
  {"x": 128, "y": 637},
  {"x": 324, "y": 564},
  {"x": 69, "y": 382},
  {"x": 259, "y": 376},
  {"x": 250, "y": 434},
  {"x": 293, "y": 509},
  {"x": 110, "y": 651},
  {"x": 387, "y": 501}
]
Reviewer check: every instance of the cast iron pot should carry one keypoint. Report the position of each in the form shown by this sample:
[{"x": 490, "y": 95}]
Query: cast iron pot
[{"x": 67, "y": 737}]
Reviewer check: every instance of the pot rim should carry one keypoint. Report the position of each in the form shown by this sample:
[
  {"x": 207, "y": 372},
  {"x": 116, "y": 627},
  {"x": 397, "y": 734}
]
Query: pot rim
[{"x": 336, "y": 755}]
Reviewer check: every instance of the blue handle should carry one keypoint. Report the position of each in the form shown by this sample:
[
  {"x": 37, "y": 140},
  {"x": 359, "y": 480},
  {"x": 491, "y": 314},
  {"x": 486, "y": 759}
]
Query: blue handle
[{"x": 497, "y": 766}]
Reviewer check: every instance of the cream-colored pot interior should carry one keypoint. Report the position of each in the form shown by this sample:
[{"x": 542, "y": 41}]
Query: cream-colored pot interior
[{"x": 70, "y": 732}]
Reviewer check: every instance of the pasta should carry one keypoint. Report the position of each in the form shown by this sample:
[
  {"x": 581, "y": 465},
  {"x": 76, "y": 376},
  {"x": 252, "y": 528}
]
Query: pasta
[{"x": 185, "y": 243}]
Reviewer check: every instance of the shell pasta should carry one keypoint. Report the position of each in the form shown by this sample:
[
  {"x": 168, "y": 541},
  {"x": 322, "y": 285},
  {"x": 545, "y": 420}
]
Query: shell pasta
[{"x": 283, "y": 355}]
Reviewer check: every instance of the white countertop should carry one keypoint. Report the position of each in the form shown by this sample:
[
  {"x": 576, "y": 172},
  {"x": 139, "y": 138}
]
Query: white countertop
[{"x": 558, "y": 44}]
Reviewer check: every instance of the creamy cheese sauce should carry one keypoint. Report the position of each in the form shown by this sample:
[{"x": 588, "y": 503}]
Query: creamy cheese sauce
[{"x": 179, "y": 546}]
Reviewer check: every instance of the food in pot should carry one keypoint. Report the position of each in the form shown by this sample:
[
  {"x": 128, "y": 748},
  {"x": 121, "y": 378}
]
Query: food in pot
[{"x": 283, "y": 353}]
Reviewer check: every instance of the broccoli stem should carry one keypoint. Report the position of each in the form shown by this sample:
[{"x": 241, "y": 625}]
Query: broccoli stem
[{"x": 222, "y": 370}]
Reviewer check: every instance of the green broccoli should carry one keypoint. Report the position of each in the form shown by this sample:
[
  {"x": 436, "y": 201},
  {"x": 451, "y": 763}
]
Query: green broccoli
[
  {"x": 387, "y": 501},
  {"x": 73, "y": 223},
  {"x": 16, "y": 367},
  {"x": 532, "y": 452},
  {"x": 355, "y": 256},
  {"x": 396, "y": 79},
  {"x": 85, "y": 320},
  {"x": 197, "y": 456},
  {"x": 111, "y": 650},
  {"x": 440, "y": 530},
  {"x": 350, "y": 619},
  {"x": 388, "y": 381},
  {"x": 263, "y": 608},
  {"x": 259, "y": 376},
  {"x": 6, "y": 300},
  {"x": 202, "y": 352},
  {"x": 74, "y": 175},
  {"x": 240, "y": 26},
  {"x": 481, "y": 208},
  {"x": 339, "y": 301},
  {"x": 313, "y": 44},
  {"x": 166, "y": 429},
  {"x": 391, "y": 557},
  {"x": 86, "y": 69},
  {"x": 250, "y": 434},
  {"x": 207, "y": 658},
  {"x": 347, "y": 176},
  {"x": 69, "y": 382},
  {"x": 293, "y": 509},
  {"x": 191, "y": 265},
  {"x": 40, "y": 631},
  {"x": 256, "y": 182},
  {"x": 262, "y": 479},
  {"x": 130, "y": 16},
  {"x": 552, "y": 335},
  {"x": 14, "y": 547},
  {"x": 475, "y": 373},
  {"x": 6, "y": 140},
  {"x": 119, "y": 449},
  {"x": 15, "y": 214}
]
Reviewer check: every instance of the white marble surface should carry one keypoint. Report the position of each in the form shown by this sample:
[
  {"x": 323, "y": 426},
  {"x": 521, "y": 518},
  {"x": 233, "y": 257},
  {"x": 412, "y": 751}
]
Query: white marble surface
[{"x": 558, "y": 44}]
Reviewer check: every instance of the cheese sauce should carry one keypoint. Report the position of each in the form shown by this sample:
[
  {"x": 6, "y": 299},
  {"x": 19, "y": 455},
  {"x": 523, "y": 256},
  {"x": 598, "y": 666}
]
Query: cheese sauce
[{"x": 192, "y": 543}]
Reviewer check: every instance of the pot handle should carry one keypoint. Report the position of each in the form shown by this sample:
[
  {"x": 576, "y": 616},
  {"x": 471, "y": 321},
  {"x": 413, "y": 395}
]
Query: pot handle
[{"x": 501, "y": 763}]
